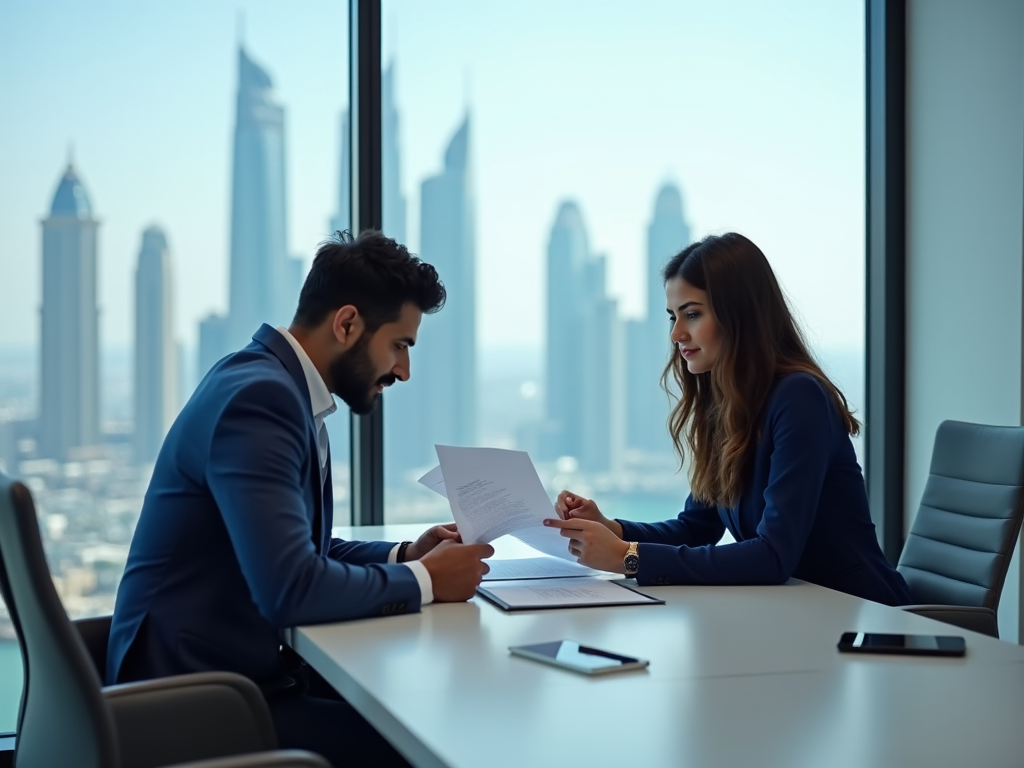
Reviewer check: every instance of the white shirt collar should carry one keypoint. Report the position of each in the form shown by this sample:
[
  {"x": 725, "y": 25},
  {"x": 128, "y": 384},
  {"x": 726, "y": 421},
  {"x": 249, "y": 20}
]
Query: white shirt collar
[{"x": 320, "y": 400}]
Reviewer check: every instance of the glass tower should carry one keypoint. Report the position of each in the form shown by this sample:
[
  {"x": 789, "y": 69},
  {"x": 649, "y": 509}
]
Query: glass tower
[
  {"x": 585, "y": 370},
  {"x": 261, "y": 278},
  {"x": 439, "y": 404},
  {"x": 69, "y": 403},
  {"x": 156, "y": 375},
  {"x": 649, "y": 347}
]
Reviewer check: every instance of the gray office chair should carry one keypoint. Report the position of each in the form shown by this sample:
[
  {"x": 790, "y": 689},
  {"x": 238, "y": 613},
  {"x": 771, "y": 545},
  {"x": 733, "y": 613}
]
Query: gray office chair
[
  {"x": 959, "y": 548},
  {"x": 67, "y": 719}
]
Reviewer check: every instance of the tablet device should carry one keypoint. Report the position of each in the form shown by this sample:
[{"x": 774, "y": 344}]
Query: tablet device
[
  {"x": 578, "y": 658},
  {"x": 907, "y": 645}
]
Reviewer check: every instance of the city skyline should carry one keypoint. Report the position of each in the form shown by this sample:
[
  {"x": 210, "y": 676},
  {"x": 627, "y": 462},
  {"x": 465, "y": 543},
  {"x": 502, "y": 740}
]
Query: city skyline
[
  {"x": 774, "y": 150},
  {"x": 442, "y": 407},
  {"x": 597, "y": 386},
  {"x": 586, "y": 412},
  {"x": 585, "y": 329}
]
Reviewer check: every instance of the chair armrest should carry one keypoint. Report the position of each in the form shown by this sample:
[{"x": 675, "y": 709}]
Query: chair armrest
[
  {"x": 974, "y": 618},
  {"x": 291, "y": 758},
  {"x": 189, "y": 717}
]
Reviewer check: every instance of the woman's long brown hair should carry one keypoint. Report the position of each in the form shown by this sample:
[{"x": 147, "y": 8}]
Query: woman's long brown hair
[{"x": 717, "y": 415}]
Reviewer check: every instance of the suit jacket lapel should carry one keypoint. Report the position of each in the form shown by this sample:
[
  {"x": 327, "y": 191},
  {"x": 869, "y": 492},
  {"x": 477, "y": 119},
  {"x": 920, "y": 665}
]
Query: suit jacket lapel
[
  {"x": 318, "y": 496},
  {"x": 327, "y": 498},
  {"x": 279, "y": 346}
]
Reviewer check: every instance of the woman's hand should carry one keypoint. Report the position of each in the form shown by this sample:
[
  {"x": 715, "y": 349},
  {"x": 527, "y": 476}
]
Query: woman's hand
[
  {"x": 571, "y": 506},
  {"x": 593, "y": 544}
]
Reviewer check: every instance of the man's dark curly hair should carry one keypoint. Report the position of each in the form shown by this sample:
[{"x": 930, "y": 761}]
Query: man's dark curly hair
[{"x": 373, "y": 273}]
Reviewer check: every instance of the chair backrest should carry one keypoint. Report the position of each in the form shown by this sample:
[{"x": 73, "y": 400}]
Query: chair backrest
[
  {"x": 64, "y": 719},
  {"x": 95, "y": 633},
  {"x": 960, "y": 543}
]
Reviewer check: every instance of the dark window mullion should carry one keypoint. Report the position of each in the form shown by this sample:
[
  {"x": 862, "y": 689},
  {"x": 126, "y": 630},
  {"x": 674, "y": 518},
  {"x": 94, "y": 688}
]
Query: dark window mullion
[
  {"x": 885, "y": 340},
  {"x": 367, "y": 432}
]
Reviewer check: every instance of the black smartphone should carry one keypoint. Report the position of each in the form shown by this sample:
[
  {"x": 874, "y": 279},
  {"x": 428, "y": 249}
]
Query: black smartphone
[
  {"x": 578, "y": 658},
  {"x": 909, "y": 645}
]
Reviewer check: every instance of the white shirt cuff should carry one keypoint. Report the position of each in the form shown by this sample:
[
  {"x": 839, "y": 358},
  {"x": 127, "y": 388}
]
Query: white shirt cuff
[{"x": 419, "y": 570}]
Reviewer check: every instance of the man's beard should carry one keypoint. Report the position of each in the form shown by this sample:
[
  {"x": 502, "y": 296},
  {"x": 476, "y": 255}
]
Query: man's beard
[{"x": 353, "y": 377}]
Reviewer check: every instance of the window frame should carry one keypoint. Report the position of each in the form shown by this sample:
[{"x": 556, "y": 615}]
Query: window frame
[
  {"x": 366, "y": 433},
  {"x": 885, "y": 318}
]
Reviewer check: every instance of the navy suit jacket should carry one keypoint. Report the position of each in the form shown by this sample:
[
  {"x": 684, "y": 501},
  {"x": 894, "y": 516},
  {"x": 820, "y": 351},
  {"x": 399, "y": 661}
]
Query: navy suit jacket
[
  {"x": 804, "y": 512},
  {"x": 234, "y": 540}
]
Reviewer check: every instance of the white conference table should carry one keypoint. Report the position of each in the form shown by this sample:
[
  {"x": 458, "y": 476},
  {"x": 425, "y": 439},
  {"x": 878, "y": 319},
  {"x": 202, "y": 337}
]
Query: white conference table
[{"x": 738, "y": 676}]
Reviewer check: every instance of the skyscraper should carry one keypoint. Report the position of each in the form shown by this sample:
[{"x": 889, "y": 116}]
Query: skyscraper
[
  {"x": 602, "y": 377},
  {"x": 585, "y": 365},
  {"x": 69, "y": 403},
  {"x": 156, "y": 353},
  {"x": 394, "y": 205},
  {"x": 261, "y": 277},
  {"x": 568, "y": 252},
  {"x": 343, "y": 218},
  {"x": 338, "y": 427},
  {"x": 649, "y": 347},
  {"x": 440, "y": 404},
  {"x": 213, "y": 342}
]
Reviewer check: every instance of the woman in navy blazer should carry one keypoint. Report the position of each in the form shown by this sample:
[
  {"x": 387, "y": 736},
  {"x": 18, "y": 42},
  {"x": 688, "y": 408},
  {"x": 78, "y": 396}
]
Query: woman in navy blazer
[{"x": 767, "y": 439}]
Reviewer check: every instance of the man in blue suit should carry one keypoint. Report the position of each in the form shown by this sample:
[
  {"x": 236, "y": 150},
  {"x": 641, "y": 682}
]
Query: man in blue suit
[{"x": 234, "y": 540}]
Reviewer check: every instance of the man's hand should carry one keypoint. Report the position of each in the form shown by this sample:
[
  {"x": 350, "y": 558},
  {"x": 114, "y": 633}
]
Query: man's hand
[
  {"x": 593, "y": 544},
  {"x": 456, "y": 570},
  {"x": 572, "y": 506},
  {"x": 430, "y": 539}
]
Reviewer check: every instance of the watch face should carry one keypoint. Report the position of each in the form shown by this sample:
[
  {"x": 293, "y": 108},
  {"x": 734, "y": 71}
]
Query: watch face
[{"x": 632, "y": 563}]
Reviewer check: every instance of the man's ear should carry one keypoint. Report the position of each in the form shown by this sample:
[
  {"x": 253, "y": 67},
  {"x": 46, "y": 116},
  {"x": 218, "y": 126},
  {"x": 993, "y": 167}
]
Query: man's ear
[{"x": 347, "y": 325}]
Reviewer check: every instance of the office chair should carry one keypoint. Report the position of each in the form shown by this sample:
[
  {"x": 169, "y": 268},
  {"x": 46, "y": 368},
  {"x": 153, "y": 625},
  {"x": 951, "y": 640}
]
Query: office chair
[
  {"x": 95, "y": 634},
  {"x": 959, "y": 548},
  {"x": 67, "y": 719}
]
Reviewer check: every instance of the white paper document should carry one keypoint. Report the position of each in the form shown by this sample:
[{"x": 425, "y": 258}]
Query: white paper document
[
  {"x": 536, "y": 568},
  {"x": 434, "y": 480},
  {"x": 493, "y": 492},
  {"x": 562, "y": 593}
]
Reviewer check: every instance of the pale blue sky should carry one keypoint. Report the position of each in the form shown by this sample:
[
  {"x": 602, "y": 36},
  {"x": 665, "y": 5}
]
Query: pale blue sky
[{"x": 754, "y": 108}]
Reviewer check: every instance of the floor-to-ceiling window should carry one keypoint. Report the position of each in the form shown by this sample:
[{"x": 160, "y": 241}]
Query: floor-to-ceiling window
[
  {"x": 169, "y": 169},
  {"x": 548, "y": 158}
]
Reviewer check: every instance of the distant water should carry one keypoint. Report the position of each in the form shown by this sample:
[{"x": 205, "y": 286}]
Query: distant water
[{"x": 10, "y": 685}]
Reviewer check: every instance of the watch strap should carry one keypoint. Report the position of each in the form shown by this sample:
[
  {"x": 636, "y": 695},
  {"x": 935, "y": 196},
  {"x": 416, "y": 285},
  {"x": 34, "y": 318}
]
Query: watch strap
[
  {"x": 400, "y": 554},
  {"x": 631, "y": 560}
]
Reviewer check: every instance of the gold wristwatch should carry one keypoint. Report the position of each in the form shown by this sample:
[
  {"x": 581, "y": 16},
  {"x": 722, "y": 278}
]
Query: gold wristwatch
[{"x": 632, "y": 559}]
